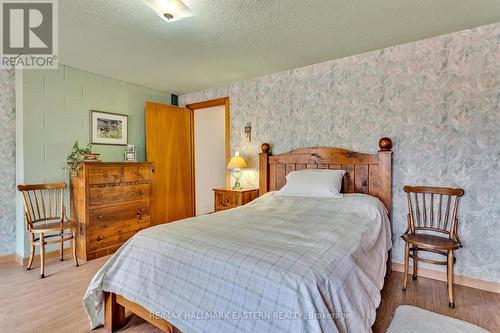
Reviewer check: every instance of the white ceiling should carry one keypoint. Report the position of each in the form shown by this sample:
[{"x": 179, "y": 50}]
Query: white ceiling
[{"x": 231, "y": 40}]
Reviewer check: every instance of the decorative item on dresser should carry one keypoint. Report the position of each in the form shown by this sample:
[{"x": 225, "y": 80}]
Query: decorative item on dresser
[
  {"x": 425, "y": 220},
  {"x": 226, "y": 198},
  {"x": 45, "y": 214},
  {"x": 110, "y": 201},
  {"x": 77, "y": 155},
  {"x": 129, "y": 154}
]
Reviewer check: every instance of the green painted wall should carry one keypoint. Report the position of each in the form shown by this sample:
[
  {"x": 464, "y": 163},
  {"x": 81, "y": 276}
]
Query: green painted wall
[{"x": 56, "y": 105}]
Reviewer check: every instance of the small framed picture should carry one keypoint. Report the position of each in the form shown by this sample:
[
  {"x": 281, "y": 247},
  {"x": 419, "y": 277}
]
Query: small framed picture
[{"x": 108, "y": 128}]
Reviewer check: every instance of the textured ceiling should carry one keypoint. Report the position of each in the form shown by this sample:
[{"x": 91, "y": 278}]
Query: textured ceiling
[{"x": 231, "y": 40}]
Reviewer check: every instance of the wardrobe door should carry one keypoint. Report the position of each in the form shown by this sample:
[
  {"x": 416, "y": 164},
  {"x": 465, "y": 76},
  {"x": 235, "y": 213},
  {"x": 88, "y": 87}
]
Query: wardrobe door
[{"x": 169, "y": 147}]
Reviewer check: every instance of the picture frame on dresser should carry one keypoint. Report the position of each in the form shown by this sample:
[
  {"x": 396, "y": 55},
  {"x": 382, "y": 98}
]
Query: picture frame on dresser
[{"x": 107, "y": 128}]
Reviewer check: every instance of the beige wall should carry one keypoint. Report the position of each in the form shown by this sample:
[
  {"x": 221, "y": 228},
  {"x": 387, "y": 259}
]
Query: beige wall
[{"x": 210, "y": 155}]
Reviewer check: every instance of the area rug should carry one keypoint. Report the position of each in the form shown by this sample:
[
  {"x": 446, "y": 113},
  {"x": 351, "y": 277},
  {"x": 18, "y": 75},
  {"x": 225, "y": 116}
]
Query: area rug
[{"x": 410, "y": 319}]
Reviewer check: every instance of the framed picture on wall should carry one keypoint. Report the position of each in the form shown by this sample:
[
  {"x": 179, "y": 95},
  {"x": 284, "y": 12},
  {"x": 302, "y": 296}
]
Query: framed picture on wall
[{"x": 108, "y": 128}]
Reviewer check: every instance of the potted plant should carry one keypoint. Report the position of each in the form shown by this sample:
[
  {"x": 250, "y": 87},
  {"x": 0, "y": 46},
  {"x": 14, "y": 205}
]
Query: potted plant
[{"x": 77, "y": 156}]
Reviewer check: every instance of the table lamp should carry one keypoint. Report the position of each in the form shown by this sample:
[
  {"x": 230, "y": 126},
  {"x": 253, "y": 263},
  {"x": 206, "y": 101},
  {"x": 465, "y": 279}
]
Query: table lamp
[{"x": 236, "y": 163}]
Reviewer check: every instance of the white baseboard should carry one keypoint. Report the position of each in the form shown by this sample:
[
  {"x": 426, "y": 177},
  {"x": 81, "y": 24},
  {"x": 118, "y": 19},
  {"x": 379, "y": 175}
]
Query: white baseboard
[{"x": 457, "y": 279}]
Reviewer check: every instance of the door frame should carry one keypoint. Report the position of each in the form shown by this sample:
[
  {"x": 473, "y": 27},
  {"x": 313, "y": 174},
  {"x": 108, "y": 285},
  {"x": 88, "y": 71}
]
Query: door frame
[{"x": 205, "y": 105}]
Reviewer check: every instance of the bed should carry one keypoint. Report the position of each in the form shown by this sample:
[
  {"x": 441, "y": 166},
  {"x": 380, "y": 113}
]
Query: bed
[{"x": 277, "y": 264}]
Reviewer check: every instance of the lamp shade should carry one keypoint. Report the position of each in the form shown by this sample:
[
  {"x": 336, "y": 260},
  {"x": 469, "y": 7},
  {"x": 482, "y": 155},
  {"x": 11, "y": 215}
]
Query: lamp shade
[{"x": 237, "y": 162}]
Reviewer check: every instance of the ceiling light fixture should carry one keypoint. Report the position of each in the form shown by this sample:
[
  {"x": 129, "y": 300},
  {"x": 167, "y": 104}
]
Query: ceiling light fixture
[
  {"x": 169, "y": 10},
  {"x": 168, "y": 16}
]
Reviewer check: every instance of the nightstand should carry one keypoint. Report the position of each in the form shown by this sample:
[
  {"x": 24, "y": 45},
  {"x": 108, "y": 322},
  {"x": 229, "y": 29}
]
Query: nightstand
[{"x": 226, "y": 198}]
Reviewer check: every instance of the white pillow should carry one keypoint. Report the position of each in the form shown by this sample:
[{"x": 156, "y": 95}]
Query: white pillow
[{"x": 313, "y": 183}]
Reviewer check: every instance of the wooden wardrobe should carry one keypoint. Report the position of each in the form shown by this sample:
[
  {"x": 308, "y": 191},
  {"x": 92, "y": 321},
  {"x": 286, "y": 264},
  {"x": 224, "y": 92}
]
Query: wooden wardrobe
[{"x": 169, "y": 148}]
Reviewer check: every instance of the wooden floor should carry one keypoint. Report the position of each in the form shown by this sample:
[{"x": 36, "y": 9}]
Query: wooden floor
[
  {"x": 54, "y": 304},
  {"x": 473, "y": 305}
]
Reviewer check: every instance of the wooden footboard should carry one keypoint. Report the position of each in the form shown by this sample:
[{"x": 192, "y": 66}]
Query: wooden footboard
[{"x": 114, "y": 317}]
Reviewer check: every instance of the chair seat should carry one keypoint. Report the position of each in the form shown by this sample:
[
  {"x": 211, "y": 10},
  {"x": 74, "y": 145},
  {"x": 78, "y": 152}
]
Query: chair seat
[
  {"x": 431, "y": 241},
  {"x": 53, "y": 226}
]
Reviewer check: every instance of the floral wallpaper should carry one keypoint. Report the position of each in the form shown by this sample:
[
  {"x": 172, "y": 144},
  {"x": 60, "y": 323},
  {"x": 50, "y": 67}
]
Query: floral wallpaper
[
  {"x": 438, "y": 99},
  {"x": 7, "y": 163}
]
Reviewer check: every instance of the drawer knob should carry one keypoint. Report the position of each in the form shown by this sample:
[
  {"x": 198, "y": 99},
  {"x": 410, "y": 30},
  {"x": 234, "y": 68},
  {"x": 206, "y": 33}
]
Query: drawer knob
[
  {"x": 141, "y": 192},
  {"x": 99, "y": 217},
  {"x": 99, "y": 196},
  {"x": 105, "y": 175},
  {"x": 137, "y": 173},
  {"x": 100, "y": 237},
  {"x": 226, "y": 201}
]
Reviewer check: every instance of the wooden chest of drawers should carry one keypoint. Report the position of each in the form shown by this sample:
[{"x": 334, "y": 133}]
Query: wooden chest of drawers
[
  {"x": 111, "y": 202},
  {"x": 226, "y": 198}
]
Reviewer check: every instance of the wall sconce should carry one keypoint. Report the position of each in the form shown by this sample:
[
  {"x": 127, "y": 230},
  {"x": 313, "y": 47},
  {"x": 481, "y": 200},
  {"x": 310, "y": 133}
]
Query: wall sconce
[{"x": 248, "y": 132}]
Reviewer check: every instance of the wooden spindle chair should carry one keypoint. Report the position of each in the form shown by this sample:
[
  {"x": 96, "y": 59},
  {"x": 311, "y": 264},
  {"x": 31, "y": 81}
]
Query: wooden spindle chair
[
  {"x": 432, "y": 227},
  {"x": 46, "y": 220}
]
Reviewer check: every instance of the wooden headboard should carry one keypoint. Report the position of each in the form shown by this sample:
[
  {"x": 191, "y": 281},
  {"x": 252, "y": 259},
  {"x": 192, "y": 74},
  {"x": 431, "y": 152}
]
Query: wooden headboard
[{"x": 365, "y": 173}]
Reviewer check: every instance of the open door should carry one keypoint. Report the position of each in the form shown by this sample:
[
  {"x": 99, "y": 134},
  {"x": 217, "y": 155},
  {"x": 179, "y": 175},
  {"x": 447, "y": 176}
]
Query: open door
[{"x": 169, "y": 147}]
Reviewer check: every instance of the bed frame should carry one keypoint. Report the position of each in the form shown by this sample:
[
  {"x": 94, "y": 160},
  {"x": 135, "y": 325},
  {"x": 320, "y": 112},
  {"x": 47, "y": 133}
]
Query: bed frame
[{"x": 365, "y": 173}]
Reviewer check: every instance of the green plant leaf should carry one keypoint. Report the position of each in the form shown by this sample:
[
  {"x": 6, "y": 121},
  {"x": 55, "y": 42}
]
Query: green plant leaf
[{"x": 75, "y": 158}]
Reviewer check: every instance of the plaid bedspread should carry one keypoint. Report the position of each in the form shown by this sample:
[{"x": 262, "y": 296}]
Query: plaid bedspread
[{"x": 278, "y": 264}]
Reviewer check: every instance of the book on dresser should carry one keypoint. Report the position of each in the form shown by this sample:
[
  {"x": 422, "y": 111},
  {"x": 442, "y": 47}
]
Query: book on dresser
[{"x": 110, "y": 202}]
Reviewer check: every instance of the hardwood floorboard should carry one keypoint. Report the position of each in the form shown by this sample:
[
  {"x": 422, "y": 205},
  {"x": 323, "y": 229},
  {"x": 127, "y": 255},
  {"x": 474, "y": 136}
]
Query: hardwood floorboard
[
  {"x": 473, "y": 305},
  {"x": 54, "y": 304}
]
